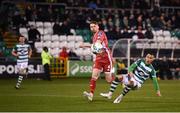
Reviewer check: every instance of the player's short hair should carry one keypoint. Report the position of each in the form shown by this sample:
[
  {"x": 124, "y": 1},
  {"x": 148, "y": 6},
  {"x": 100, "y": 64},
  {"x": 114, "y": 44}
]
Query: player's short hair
[
  {"x": 151, "y": 56},
  {"x": 45, "y": 49},
  {"x": 94, "y": 22},
  {"x": 20, "y": 35}
]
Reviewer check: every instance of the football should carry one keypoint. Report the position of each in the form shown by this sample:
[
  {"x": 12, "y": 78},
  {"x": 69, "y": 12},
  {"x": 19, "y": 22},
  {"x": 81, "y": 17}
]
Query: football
[{"x": 97, "y": 48}]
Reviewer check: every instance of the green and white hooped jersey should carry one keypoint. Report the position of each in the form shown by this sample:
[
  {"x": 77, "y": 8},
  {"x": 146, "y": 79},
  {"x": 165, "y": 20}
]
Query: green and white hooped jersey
[
  {"x": 143, "y": 71},
  {"x": 23, "y": 52}
]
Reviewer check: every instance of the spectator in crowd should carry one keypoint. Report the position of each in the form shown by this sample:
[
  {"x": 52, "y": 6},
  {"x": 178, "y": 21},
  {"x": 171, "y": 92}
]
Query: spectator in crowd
[
  {"x": 132, "y": 33},
  {"x": 112, "y": 34},
  {"x": 164, "y": 69},
  {"x": 46, "y": 57},
  {"x": 104, "y": 25},
  {"x": 140, "y": 21},
  {"x": 156, "y": 65},
  {"x": 174, "y": 22},
  {"x": 116, "y": 19},
  {"x": 49, "y": 14},
  {"x": 148, "y": 34},
  {"x": 1, "y": 35},
  {"x": 175, "y": 68},
  {"x": 139, "y": 33},
  {"x": 132, "y": 21},
  {"x": 156, "y": 8},
  {"x": 64, "y": 28},
  {"x": 1, "y": 53},
  {"x": 63, "y": 53},
  {"x": 92, "y": 5},
  {"x": 125, "y": 22},
  {"x": 56, "y": 28},
  {"x": 33, "y": 36},
  {"x": 72, "y": 55},
  {"x": 29, "y": 13},
  {"x": 41, "y": 14},
  {"x": 125, "y": 33},
  {"x": 121, "y": 68},
  {"x": 168, "y": 25},
  {"x": 162, "y": 22},
  {"x": 17, "y": 19},
  {"x": 154, "y": 22},
  {"x": 178, "y": 19},
  {"x": 117, "y": 34}
]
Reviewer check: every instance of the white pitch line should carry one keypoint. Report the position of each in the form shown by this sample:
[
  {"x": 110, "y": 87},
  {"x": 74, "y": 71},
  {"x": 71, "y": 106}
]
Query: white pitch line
[{"x": 70, "y": 96}]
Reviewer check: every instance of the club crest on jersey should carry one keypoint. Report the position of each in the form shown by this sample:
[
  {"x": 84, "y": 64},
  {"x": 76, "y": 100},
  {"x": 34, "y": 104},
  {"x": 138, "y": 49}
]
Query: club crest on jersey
[
  {"x": 141, "y": 73},
  {"x": 99, "y": 34}
]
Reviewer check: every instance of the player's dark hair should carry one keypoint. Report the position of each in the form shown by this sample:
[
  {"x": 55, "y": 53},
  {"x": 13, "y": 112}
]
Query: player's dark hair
[
  {"x": 94, "y": 22},
  {"x": 25, "y": 41},
  {"x": 45, "y": 49},
  {"x": 151, "y": 55},
  {"x": 20, "y": 35}
]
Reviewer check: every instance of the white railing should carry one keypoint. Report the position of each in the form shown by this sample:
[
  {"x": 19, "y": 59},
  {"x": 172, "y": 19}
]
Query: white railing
[{"x": 129, "y": 48}]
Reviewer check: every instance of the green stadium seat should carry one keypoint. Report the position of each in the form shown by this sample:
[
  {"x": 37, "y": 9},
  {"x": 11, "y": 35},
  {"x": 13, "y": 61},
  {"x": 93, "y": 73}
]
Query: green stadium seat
[{"x": 85, "y": 33}]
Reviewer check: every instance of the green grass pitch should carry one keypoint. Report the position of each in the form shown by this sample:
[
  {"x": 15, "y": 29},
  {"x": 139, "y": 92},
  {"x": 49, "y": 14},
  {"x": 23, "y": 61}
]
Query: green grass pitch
[{"x": 65, "y": 95}]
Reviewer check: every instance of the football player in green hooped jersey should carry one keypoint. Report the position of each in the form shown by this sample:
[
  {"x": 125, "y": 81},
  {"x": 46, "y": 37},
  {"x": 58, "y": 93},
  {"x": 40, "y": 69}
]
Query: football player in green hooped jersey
[
  {"x": 22, "y": 52},
  {"x": 138, "y": 72}
]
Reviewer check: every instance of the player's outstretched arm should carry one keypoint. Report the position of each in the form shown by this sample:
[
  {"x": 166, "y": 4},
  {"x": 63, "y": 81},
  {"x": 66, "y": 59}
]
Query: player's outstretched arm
[
  {"x": 158, "y": 93},
  {"x": 85, "y": 45},
  {"x": 156, "y": 86},
  {"x": 131, "y": 69}
]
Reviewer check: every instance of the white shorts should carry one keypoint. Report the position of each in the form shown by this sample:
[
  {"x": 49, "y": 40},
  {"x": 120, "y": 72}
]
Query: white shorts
[
  {"x": 22, "y": 65},
  {"x": 126, "y": 81}
]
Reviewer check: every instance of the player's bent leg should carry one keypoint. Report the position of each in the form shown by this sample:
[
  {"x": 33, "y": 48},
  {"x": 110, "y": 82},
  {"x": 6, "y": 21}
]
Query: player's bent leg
[
  {"x": 118, "y": 99},
  {"x": 108, "y": 77},
  {"x": 131, "y": 85},
  {"x": 124, "y": 92},
  {"x": 113, "y": 86},
  {"x": 115, "y": 83}
]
